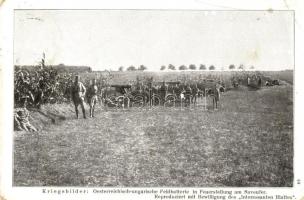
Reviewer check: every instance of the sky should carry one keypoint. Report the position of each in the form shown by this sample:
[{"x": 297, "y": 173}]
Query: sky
[{"x": 108, "y": 39}]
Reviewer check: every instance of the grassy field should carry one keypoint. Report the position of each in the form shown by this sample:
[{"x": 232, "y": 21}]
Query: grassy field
[
  {"x": 286, "y": 75},
  {"x": 247, "y": 142}
]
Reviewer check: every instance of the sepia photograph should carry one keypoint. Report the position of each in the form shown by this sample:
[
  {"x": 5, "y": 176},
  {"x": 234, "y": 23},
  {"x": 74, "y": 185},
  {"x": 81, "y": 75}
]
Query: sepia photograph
[{"x": 153, "y": 98}]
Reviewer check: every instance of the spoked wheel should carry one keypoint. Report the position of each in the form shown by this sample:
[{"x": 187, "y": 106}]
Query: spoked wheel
[
  {"x": 123, "y": 102},
  {"x": 170, "y": 100},
  {"x": 155, "y": 100},
  {"x": 111, "y": 101},
  {"x": 138, "y": 101}
]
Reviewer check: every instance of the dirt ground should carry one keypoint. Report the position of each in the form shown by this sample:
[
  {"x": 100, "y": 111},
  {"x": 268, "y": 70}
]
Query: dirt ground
[{"x": 247, "y": 142}]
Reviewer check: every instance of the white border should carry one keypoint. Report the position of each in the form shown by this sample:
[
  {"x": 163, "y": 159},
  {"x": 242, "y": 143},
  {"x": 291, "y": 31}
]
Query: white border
[{"x": 6, "y": 78}]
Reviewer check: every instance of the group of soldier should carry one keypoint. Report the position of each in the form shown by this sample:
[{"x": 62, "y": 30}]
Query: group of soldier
[
  {"x": 79, "y": 92},
  {"x": 22, "y": 114}
]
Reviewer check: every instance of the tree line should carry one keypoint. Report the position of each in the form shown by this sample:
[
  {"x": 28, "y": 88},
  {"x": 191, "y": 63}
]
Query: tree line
[{"x": 182, "y": 67}]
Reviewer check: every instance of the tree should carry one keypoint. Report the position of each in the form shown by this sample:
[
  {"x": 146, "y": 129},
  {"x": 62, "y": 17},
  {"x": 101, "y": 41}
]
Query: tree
[
  {"x": 121, "y": 68},
  {"x": 231, "y": 67},
  {"x": 252, "y": 67},
  {"x": 202, "y": 67},
  {"x": 163, "y": 67},
  {"x": 183, "y": 67},
  {"x": 211, "y": 67},
  {"x": 131, "y": 68},
  {"x": 241, "y": 67},
  {"x": 172, "y": 67},
  {"x": 142, "y": 68},
  {"x": 192, "y": 67}
]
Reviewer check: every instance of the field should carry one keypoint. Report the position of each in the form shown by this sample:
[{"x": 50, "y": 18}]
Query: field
[
  {"x": 286, "y": 76},
  {"x": 130, "y": 76},
  {"x": 247, "y": 142}
]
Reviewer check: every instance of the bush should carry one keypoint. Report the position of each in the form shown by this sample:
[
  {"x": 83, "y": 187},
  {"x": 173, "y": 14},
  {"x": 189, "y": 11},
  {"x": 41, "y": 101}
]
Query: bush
[
  {"x": 202, "y": 67},
  {"x": 211, "y": 67},
  {"x": 192, "y": 67},
  {"x": 183, "y": 67},
  {"x": 131, "y": 68}
]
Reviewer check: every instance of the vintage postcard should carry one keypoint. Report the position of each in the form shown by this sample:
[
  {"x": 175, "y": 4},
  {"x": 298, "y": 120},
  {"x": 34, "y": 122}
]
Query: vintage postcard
[{"x": 111, "y": 103}]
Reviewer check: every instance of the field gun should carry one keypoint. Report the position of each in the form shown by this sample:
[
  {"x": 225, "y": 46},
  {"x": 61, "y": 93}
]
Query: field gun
[{"x": 121, "y": 88}]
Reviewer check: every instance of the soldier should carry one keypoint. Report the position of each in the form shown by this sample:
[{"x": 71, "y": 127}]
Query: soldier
[
  {"x": 216, "y": 96},
  {"x": 92, "y": 97},
  {"x": 259, "y": 81},
  {"x": 194, "y": 93},
  {"x": 78, "y": 94},
  {"x": 248, "y": 81},
  {"x": 163, "y": 92},
  {"x": 188, "y": 92},
  {"x": 21, "y": 117}
]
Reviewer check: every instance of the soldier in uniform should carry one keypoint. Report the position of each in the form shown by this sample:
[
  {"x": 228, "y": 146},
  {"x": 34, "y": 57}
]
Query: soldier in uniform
[
  {"x": 163, "y": 92},
  {"x": 21, "y": 117},
  {"x": 92, "y": 97},
  {"x": 188, "y": 92},
  {"x": 216, "y": 96},
  {"x": 248, "y": 81},
  {"x": 194, "y": 93},
  {"x": 259, "y": 81},
  {"x": 78, "y": 94}
]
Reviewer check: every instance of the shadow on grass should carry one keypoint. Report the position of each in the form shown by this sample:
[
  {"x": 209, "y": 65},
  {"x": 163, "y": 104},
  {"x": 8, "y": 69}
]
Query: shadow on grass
[{"x": 55, "y": 118}]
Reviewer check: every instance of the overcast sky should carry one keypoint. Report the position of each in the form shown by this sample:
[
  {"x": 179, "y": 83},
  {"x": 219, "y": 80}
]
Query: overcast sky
[{"x": 107, "y": 39}]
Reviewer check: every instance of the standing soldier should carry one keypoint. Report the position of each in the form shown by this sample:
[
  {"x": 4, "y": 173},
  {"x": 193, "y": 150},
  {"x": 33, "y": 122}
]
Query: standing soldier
[
  {"x": 78, "y": 94},
  {"x": 163, "y": 93},
  {"x": 194, "y": 93},
  {"x": 248, "y": 81},
  {"x": 92, "y": 95},
  {"x": 259, "y": 82},
  {"x": 216, "y": 96},
  {"x": 188, "y": 92}
]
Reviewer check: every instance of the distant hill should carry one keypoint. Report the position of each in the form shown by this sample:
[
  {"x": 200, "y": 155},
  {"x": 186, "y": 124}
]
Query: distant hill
[{"x": 60, "y": 68}]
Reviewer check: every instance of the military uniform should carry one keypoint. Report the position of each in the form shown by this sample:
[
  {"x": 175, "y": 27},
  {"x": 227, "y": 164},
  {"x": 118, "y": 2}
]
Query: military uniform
[
  {"x": 163, "y": 94},
  {"x": 188, "y": 92},
  {"x": 78, "y": 94},
  {"x": 79, "y": 91},
  {"x": 93, "y": 98},
  {"x": 21, "y": 119},
  {"x": 216, "y": 96}
]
